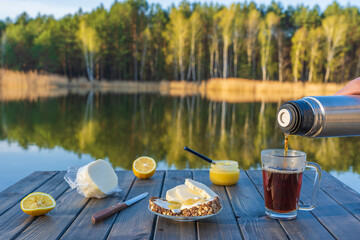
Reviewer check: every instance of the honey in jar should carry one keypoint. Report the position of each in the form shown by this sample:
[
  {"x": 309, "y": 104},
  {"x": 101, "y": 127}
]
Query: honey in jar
[{"x": 224, "y": 172}]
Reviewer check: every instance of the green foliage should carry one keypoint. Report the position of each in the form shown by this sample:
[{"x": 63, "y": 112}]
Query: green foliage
[{"x": 192, "y": 41}]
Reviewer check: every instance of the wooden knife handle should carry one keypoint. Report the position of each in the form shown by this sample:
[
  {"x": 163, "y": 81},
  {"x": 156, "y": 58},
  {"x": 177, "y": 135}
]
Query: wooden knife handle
[{"x": 107, "y": 212}]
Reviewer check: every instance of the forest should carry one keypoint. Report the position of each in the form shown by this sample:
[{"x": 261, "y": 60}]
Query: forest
[{"x": 133, "y": 40}]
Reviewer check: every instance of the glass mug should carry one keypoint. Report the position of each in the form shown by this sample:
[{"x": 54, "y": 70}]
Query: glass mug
[{"x": 282, "y": 179}]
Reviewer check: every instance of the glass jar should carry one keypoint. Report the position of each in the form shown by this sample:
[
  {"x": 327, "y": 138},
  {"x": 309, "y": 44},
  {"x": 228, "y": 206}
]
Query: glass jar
[{"x": 224, "y": 172}]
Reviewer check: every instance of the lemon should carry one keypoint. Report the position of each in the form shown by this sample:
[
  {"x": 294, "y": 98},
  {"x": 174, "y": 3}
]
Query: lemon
[
  {"x": 144, "y": 167},
  {"x": 37, "y": 203}
]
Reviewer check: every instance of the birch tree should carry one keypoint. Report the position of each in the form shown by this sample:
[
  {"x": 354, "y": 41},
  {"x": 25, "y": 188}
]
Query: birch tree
[
  {"x": 147, "y": 36},
  {"x": 178, "y": 32},
  {"x": 314, "y": 40},
  {"x": 2, "y": 48},
  {"x": 281, "y": 58},
  {"x": 214, "y": 51},
  {"x": 267, "y": 29},
  {"x": 195, "y": 23},
  {"x": 334, "y": 27},
  {"x": 238, "y": 35},
  {"x": 252, "y": 29},
  {"x": 298, "y": 52},
  {"x": 226, "y": 24},
  {"x": 90, "y": 46}
]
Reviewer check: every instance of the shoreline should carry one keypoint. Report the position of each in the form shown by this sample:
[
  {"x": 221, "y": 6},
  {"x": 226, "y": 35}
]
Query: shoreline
[{"x": 32, "y": 86}]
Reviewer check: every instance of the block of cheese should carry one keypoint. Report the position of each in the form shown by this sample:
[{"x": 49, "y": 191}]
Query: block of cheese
[{"x": 96, "y": 179}]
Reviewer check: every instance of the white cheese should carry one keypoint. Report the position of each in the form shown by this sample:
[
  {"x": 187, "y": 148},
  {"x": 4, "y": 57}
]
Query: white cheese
[
  {"x": 97, "y": 179},
  {"x": 184, "y": 193},
  {"x": 201, "y": 188},
  {"x": 181, "y": 193},
  {"x": 171, "y": 195},
  {"x": 190, "y": 194}
]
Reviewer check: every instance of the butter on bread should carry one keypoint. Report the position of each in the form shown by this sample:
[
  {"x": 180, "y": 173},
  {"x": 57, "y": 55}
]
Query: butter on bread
[
  {"x": 201, "y": 188},
  {"x": 207, "y": 208},
  {"x": 189, "y": 199},
  {"x": 182, "y": 193}
]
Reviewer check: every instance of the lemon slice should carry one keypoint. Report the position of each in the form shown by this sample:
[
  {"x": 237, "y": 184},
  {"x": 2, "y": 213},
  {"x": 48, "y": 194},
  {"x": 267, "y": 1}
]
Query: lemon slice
[
  {"x": 144, "y": 167},
  {"x": 37, "y": 203}
]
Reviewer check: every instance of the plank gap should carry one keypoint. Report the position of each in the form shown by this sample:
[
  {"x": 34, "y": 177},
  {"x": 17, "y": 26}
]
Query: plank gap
[
  {"x": 71, "y": 222},
  {"x": 287, "y": 234},
  {"x": 17, "y": 202},
  {"x": 155, "y": 221},
  {"x": 330, "y": 195},
  {"x": 196, "y": 222},
  {"x": 116, "y": 215},
  {"x": 233, "y": 210},
  {"x": 25, "y": 227},
  {"x": 166, "y": 228}
]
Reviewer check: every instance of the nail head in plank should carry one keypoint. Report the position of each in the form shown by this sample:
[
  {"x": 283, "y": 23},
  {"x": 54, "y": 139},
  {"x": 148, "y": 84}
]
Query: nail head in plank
[
  {"x": 136, "y": 221},
  {"x": 222, "y": 226},
  {"x": 166, "y": 228},
  {"x": 248, "y": 206},
  {"x": 83, "y": 227}
]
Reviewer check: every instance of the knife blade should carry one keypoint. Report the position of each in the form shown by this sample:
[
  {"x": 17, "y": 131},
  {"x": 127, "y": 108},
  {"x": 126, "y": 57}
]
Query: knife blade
[
  {"x": 137, "y": 198},
  {"x": 107, "y": 212}
]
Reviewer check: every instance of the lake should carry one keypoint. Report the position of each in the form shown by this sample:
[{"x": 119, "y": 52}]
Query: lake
[{"x": 55, "y": 133}]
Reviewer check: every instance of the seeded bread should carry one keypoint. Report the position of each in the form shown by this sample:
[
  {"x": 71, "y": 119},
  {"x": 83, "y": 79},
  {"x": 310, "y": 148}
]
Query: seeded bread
[{"x": 208, "y": 208}]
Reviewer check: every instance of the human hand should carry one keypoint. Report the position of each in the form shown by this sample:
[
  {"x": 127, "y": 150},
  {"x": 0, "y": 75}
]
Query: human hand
[{"x": 352, "y": 88}]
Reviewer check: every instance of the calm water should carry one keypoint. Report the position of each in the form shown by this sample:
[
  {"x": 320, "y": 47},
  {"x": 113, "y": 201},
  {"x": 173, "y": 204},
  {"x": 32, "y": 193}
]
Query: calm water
[{"x": 52, "y": 134}]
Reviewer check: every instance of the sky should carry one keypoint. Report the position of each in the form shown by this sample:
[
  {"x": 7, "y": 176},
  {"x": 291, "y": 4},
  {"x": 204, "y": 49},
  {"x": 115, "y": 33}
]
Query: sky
[{"x": 13, "y": 8}]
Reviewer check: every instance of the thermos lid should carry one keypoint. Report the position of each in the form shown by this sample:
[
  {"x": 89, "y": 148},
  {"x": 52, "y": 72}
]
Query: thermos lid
[
  {"x": 295, "y": 117},
  {"x": 284, "y": 117}
]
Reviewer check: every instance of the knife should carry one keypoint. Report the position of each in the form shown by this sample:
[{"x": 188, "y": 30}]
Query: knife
[{"x": 107, "y": 212}]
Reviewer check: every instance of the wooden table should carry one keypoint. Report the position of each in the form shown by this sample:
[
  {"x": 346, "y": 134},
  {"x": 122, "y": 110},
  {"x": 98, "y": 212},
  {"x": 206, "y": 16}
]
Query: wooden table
[{"x": 337, "y": 215}]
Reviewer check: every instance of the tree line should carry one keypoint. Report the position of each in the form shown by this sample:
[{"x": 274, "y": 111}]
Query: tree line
[{"x": 137, "y": 41}]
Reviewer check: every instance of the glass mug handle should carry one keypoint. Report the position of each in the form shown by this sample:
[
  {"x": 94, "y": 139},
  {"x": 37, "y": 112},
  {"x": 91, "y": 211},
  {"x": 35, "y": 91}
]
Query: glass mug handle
[{"x": 316, "y": 187}]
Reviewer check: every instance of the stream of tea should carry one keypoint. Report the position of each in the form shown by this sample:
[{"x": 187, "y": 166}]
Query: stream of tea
[{"x": 286, "y": 142}]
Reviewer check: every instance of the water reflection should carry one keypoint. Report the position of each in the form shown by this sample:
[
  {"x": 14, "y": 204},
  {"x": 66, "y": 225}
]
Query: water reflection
[{"x": 123, "y": 127}]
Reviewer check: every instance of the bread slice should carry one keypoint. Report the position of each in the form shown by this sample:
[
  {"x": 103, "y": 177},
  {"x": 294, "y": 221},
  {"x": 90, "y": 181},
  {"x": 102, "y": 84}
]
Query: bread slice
[{"x": 210, "y": 207}]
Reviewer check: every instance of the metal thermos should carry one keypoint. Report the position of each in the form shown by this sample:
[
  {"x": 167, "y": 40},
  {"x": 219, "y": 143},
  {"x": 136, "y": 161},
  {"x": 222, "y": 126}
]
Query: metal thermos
[{"x": 323, "y": 116}]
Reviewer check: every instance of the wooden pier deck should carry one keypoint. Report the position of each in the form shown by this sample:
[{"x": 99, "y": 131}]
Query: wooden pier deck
[{"x": 336, "y": 217}]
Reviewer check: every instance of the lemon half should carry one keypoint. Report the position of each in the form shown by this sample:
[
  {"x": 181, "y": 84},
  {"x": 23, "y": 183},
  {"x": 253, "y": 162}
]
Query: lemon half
[
  {"x": 144, "y": 167},
  {"x": 37, "y": 203}
]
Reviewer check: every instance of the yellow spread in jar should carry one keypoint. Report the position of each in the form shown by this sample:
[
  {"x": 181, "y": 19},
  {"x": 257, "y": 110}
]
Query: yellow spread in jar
[{"x": 225, "y": 172}]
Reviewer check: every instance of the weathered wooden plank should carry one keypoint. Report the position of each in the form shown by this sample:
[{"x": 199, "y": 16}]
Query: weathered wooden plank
[
  {"x": 223, "y": 225},
  {"x": 82, "y": 227},
  {"x": 248, "y": 206},
  {"x": 137, "y": 222},
  {"x": 166, "y": 228},
  {"x": 14, "y": 221},
  {"x": 13, "y": 194},
  {"x": 332, "y": 215},
  {"x": 53, "y": 224},
  {"x": 305, "y": 226},
  {"x": 342, "y": 193}
]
